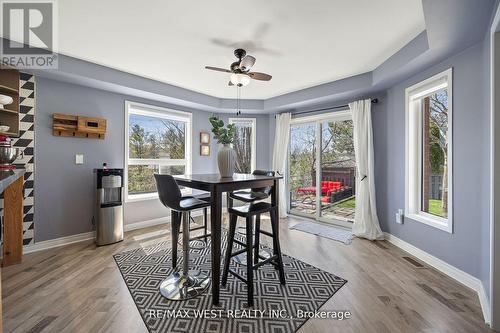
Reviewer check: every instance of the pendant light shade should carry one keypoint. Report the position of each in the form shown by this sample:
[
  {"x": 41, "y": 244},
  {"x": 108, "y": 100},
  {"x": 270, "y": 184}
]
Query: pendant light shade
[{"x": 239, "y": 79}]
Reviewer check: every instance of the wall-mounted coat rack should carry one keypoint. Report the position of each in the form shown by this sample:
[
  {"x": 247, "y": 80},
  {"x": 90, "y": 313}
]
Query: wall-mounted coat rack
[{"x": 78, "y": 126}]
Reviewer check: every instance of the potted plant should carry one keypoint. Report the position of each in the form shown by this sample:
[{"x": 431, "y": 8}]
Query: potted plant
[{"x": 226, "y": 156}]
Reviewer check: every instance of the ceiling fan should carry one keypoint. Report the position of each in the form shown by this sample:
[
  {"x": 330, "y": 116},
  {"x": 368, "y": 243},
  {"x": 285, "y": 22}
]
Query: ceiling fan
[{"x": 240, "y": 70}]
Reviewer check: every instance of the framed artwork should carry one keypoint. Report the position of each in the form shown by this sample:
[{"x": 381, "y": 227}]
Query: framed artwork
[
  {"x": 204, "y": 138},
  {"x": 204, "y": 150}
]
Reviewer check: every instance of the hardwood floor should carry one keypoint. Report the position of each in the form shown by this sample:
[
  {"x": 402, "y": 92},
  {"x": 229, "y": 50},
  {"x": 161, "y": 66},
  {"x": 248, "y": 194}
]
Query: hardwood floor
[{"x": 78, "y": 288}]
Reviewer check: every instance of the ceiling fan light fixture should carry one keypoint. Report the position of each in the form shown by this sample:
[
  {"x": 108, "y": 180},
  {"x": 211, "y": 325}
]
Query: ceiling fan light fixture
[{"x": 239, "y": 79}]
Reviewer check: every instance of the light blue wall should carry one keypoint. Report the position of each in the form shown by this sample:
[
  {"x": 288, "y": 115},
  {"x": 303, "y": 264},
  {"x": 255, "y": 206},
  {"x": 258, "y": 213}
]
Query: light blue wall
[
  {"x": 64, "y": 190},
  {"x": 465, "y": 247}
]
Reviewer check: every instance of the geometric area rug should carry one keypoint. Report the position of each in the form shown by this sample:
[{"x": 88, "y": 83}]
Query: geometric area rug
[{"x": 277, "y": 309}]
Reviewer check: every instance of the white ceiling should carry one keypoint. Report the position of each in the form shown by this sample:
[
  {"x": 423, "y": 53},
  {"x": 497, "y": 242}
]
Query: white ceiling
[{"x": 300, "y": 43}]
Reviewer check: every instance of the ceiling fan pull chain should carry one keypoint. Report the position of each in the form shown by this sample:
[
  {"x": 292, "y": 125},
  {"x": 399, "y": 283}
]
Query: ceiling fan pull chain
[{"x": 239, "y": 100}]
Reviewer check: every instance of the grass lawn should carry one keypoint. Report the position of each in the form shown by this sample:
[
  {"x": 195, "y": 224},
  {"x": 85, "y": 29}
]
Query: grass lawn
[
  {"x": 435, "y": 207},
  {"x": 351, "y": 203}
]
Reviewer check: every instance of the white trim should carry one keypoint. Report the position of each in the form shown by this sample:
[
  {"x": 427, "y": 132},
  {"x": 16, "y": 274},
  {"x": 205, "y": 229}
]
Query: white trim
[
  {"x": 485, "y": 304},
  {"x": 317, "y": 120},
  {"x": 157, "y": 221},
  {"x": 413, "y": 150},
  {"x": 317, "y": 167},
  {"x": 492, "y": 166},
  {"x": 253, "y": 146},
  {"x": 57, "y": 242},
  {"x": 62, "y": 241},
  {"x": 155, "y": 111},
  {"x": 142, "y": 197},
  {"x": 494, "y": 231},
  {"x": 445, "y": 268},
  {"x": 162, "y": 162},
  {"x": 153, "y": 195},
  {"x": 147, "y": 223}
]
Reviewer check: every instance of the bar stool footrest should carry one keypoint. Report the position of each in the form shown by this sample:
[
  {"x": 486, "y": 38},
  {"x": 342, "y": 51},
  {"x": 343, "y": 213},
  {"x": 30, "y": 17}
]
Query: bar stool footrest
[
  {"x": 265, "y": 261},
  {"x": 237, "y": 253},
  {"x": 238, "y": 276},
  {"x": 266, "y": 233},
  {"x": 199, "y": 237},
  {"x": 240, "y": 243}
]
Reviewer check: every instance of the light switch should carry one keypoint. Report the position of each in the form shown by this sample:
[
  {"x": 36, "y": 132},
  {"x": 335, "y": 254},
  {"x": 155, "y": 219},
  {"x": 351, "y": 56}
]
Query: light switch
[{"x": 79, "y": 159}]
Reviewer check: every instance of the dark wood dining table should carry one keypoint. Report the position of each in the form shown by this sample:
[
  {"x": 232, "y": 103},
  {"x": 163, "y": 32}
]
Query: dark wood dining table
[{"x": 217, "y": 185}]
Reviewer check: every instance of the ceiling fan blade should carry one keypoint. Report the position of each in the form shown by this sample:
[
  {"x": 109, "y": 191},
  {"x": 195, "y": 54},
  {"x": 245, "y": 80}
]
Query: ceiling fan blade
[
  {"x": 218, "y": 69},
  {"x": 260, "y": 76},
  {"x": 247, "y": 62},
  {"x": 230, "y": 83}
]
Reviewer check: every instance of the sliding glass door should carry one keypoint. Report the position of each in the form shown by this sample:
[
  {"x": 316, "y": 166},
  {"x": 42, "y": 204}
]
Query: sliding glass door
[
  {"x": 322, "y": 168},
  {"x": 302, "y": 169}
]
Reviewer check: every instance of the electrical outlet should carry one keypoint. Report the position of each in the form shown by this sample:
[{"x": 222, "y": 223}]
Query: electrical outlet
[
  {"x": 399, "y": 216},
  {"x": 79, "y": 159}
]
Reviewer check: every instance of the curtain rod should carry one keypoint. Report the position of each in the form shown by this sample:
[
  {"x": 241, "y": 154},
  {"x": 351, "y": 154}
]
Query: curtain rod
[{"x": 374, "y": 101}]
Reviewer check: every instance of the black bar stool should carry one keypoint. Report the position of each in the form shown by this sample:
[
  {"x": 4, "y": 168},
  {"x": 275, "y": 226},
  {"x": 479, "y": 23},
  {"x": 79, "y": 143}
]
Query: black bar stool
[
  {"x": 251, "y": 196},
  {"x": 254, "y": 194},
  {"x": 188, "y": 284},
  {"x": 199, "y": 242},
  {"x": 248, "y": 212}
]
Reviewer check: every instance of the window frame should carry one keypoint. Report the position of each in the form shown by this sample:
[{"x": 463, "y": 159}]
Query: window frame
[
  {"x": 156, "y": 112},
  {"x": 316, "y": 119},
  {"x": 253, "y": 148},
  {"x": 413, "y": 150}
]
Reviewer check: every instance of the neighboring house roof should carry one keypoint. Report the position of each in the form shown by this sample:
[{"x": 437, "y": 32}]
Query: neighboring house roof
[{"x": 345, "y": 163}]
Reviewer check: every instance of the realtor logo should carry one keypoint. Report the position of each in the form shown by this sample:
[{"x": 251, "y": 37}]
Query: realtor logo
[{"x": 28, "y": 30}]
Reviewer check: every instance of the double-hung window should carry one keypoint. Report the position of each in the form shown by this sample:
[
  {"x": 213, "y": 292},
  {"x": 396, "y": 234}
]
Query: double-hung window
[
  {"x": 429, "y": 151},
  {"x": 244, "y": 144},
  {"x": 157, "y": 140}
]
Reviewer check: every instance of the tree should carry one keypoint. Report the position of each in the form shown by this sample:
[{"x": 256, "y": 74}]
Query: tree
[
  {"x": 164, "y": 141},
  {"x": 337, "y": 145},
  {"x": 438, "y": 140},
  {"x": 173, "y": 139},
  {"x": 338, "y": 142},
  {"x": 243, "y": 148},
  {"x": 302, "y": 155},
  {"x": 139, "y": 147},
  {"x": 138, "y": 144}
]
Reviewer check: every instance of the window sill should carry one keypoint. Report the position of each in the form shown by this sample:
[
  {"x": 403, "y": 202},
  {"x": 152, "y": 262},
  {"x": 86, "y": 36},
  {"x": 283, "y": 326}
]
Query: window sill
[
  {"x": 141, "y": 197},
  {"x": 152, "y": 196},
  {"x": 436, "y": 222}
]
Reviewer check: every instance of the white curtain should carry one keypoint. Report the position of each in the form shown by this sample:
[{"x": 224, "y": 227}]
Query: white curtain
[
  {"x": 281, "y": 138},
  {"x": 366, "y": 222}
]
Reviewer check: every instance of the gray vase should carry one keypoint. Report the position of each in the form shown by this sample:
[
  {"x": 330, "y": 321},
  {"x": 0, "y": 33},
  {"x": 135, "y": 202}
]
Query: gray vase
[{"x": 226, "y": 160}]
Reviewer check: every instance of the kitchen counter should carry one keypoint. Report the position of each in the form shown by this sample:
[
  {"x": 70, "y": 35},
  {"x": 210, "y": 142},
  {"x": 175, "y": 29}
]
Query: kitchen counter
[
  {"x": 12, "y": 187},
  {"x": 7, "y": 177}
]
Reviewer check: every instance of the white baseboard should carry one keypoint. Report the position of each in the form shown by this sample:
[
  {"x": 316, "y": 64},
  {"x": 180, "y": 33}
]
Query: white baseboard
[
  {"x": 485, "y": 304},
  {"x": 146, "y": 224},
  {"x": 49, "y": 244},
  {"x": 57, "y": 242},
  {"x": 442, "y": 266},
  {"x": 157, "y": 221}
]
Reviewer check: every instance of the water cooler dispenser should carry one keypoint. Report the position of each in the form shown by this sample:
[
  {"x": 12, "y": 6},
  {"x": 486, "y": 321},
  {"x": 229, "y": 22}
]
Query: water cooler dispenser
[{"x": 108, "y": 210}]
